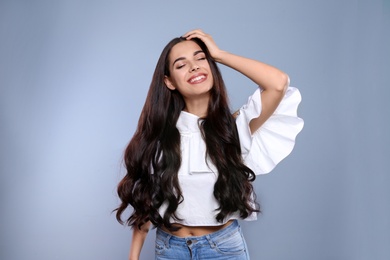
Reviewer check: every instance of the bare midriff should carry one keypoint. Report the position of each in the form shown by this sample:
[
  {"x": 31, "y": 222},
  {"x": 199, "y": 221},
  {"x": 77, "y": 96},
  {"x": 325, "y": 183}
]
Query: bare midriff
[{"x": 189, "y": 231}]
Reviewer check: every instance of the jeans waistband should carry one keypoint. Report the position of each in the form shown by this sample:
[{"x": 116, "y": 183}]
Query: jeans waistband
[{"x": 209, "y": 238}]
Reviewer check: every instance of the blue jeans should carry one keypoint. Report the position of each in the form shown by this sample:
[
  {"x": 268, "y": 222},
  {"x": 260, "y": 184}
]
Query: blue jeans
[{"x": 227, "y": 243}]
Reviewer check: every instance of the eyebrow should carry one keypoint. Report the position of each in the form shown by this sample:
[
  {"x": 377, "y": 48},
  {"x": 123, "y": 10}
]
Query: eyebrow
[{"x": 182, "y": 58}]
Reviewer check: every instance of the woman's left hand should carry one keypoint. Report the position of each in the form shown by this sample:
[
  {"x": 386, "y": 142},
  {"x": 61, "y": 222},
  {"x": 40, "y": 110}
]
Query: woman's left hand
[{"x": 215, "y": 52}]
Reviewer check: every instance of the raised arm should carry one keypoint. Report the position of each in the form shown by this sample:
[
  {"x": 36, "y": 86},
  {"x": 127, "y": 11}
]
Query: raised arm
[
  {"x": 271, "y": 80},
  {"x": 137, "y": 242}
]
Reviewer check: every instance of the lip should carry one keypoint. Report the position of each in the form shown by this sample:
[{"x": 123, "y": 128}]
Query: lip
[{"x": 193, "y": 80}]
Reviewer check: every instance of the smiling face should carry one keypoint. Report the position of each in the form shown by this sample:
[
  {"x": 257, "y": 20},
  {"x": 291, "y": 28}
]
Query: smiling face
[{"x": 190, "y": 72}]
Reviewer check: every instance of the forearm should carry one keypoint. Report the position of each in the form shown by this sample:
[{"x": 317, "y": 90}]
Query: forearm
[
  {"x": 264, "y": 75},
  {"x": 137, "y": 241}
]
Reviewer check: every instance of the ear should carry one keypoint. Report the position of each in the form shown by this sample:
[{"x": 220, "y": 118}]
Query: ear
[{"x": 168, "y": 83}]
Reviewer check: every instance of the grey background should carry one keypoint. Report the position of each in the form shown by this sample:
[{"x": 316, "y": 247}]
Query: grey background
[{"x": 73, "y": 79}]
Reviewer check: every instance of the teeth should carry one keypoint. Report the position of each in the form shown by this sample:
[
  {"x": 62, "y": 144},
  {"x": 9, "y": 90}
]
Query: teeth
[{"x": 197, "y": 78}]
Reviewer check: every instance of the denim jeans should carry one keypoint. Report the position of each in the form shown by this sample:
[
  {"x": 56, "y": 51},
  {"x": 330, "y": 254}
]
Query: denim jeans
[{"x": 227, "y": 243}]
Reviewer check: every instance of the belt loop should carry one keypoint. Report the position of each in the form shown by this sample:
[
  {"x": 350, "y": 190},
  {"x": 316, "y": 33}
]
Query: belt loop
[
  {"x": 166, "y": 242},
  {"x": 211, "y": 242}
]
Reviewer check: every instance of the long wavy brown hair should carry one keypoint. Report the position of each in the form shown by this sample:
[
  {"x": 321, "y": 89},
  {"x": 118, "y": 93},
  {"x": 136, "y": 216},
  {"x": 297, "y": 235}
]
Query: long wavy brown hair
[{"x": 153, "y": 157}]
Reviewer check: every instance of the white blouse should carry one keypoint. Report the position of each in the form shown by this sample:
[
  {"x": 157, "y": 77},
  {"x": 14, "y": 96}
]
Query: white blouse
[{"x": 261, "y": 152}]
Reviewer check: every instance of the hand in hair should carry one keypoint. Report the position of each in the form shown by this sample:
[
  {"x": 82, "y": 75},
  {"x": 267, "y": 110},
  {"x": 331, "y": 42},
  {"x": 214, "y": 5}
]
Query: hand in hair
[{"x": 214, "y": 50}]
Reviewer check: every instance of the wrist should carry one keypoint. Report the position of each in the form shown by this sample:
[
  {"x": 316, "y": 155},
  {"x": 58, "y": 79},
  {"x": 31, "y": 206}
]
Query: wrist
[{"x": 219, "y": 57}]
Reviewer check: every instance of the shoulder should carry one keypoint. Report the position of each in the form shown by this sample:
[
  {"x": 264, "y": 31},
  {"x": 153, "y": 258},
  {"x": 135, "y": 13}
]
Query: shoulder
[{"x": 236, "y": 114}]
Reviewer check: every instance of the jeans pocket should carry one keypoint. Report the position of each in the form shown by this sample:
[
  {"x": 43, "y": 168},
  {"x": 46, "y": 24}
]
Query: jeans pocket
[
  {"x": 159, "y": 246},
  {"x": 231, "y": 245}
]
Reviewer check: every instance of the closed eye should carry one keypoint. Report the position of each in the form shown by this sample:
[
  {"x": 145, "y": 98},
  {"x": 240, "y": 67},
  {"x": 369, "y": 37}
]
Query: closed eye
[
  {"x": 200, "y": 56},
  {"x": 180, "y": 66}
]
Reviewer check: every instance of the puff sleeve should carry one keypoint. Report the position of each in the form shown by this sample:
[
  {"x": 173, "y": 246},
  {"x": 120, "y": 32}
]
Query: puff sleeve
[{"x": 275, "y": 139}]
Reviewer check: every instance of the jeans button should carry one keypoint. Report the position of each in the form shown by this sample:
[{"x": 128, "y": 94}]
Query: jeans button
[{"x": 189, "y": 242}]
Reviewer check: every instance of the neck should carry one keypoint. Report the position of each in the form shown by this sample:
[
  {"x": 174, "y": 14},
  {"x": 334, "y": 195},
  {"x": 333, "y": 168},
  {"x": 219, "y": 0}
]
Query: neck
[{"x": 197, "y": 106}]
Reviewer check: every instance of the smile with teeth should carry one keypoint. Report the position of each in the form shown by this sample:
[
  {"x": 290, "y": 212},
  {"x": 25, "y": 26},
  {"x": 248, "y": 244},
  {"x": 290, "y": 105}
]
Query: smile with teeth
[{"x": 197, "y": 79}]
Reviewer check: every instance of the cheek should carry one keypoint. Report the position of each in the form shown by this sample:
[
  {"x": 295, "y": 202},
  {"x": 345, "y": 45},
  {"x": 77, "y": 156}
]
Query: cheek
[
  {"x": 211, "y": 78},
  {"x": 178, "y": 77}
]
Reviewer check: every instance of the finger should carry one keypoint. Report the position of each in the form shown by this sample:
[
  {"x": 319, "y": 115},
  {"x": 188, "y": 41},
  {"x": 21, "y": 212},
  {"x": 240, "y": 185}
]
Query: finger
[
  {"x": 194, "y": 33},
  {"x": 202, "y": 37}
]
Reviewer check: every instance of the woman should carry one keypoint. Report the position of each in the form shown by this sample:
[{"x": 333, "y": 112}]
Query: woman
[{"x": 191, "y": 162}]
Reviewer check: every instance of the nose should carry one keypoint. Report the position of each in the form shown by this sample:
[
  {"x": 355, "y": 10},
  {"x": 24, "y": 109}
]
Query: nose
[{"x": 194, "y": 67}]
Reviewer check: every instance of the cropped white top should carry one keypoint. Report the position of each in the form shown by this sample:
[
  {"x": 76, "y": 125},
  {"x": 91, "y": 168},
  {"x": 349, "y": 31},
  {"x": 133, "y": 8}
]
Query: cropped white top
[{"x": 261, "y": 152}]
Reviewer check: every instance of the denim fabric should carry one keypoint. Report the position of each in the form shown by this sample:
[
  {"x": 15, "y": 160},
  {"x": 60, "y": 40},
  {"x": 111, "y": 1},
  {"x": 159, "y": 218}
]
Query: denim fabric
[{"x": 227, "y": 243}]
